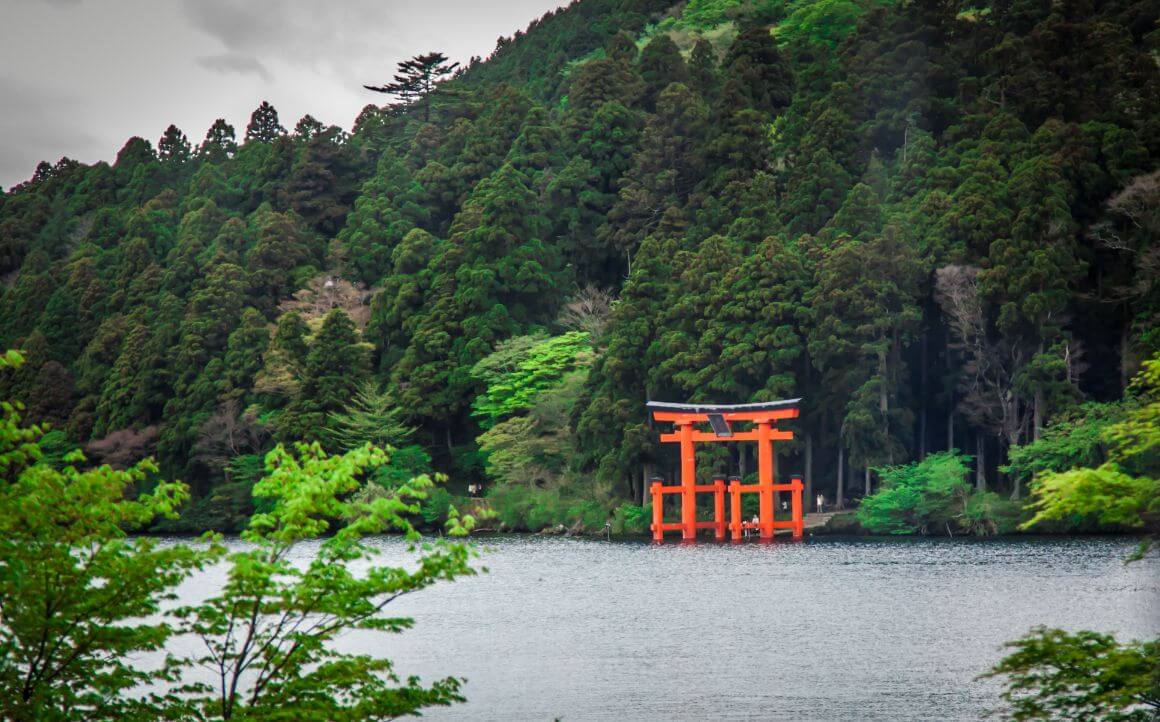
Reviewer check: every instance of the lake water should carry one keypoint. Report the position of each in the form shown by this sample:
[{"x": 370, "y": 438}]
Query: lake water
[{"x": 829, "y": 629}]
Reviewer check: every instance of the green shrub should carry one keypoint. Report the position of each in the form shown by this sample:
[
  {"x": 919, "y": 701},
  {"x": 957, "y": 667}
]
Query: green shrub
[
  {"x": 987, "y": 513},
  {"x": 510, "y": 504},
  {"x": 591, "y": 514},
  {"x": 933, "y": 495},
  {"x": 405, "y": 464},
  {"x": 434, "y": 508},
  {"x": 528, "y": 509},
  {"x": 541, "y": 511},
  {"x": 631, "y": 519},
  {"x": 1077, "y": 438}
]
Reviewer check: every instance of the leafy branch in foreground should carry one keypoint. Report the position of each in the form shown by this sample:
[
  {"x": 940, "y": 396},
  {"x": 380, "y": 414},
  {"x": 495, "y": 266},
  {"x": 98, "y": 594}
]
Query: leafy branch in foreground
[
  {"x": 269, "y": 633},
  {"x": 81, "y": 601},
  {"x": 77, "y": 596},
  {"x": 1056, "y": 675}
]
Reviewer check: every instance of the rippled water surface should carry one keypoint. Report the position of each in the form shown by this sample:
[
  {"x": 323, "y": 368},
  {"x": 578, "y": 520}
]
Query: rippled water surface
[{"x": 830, "y": 629}]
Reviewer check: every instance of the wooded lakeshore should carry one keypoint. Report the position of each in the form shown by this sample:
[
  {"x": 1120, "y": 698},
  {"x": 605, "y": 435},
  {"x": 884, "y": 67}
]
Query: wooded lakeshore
[{"x": 936, "y": 222}]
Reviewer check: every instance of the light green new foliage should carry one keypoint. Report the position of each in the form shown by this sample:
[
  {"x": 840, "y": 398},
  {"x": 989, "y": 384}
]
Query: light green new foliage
[
  {"x": 269, "y": 633},
  {"x": 1078, "y": 439},
  {"x": 1136, "y": 440},
  {"x": 1105, "y": 493},
  {"x": 821, "y": 22},
  {"x": 73, "y": 588},
  {"x": 18, "y": 446},
  {"x": 707, "y": 13},
  {"x": 1125, "y": 490},
  {"x": 523, "y": 368}
]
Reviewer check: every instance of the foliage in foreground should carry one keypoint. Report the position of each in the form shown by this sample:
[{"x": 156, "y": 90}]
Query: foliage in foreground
[
  {"x": 74, "y": 588},
  {"x": 933, "y": 496},
  {"x": 269, "y": 633},
  {"x": 1055, "y": 675},
  {"x": 80, "y": 601}
]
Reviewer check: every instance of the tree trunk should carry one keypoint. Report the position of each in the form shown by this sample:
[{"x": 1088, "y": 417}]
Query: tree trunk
[
  {"x": 742, "y": 458},
  {"x": 883, "y": 403},
  {"x": 866, "y": 491},
  {"x": 1037, "y": 407},
  {"x": 950, "y": 395},
  {"x": 1037, "y": 426},
  {"x": 922, "y": 392},
  {"x": 840, "y": 502},
  {"x": 1125, "y": 354},
  {"x": 980, "y": 462},
  {"x": 447, "y": 435},
  {"x": 645, "y": 479},
  {"x": 1017, "y": 485},
  {"x": 809, "y": 472}
]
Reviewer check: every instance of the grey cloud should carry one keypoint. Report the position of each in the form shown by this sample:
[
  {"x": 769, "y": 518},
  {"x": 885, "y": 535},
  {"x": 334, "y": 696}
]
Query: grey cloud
[
  {"x": 47, "y": 126},
  {"x": 235, "y": 26},
  {"x": 234, "y": 63},
  {"x": 310, "y": 34}
]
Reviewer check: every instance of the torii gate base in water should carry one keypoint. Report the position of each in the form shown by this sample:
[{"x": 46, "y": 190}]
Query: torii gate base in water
[{"x": 763, "y": 416}]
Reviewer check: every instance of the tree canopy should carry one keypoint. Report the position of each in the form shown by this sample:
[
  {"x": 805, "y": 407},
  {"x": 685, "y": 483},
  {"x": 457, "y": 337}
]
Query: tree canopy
[{"x": 934, "y": 221}]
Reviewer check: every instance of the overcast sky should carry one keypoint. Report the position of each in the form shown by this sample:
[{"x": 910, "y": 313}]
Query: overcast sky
[{"x": 79, "y": 77}]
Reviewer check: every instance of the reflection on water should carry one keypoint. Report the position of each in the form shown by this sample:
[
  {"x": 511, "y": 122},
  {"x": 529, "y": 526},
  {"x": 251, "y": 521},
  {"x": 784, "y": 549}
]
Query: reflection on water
[{"x": 894, "y": 629}]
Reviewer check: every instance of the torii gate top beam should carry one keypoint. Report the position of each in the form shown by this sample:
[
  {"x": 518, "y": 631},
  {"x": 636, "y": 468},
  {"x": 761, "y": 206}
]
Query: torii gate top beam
[{"x": 760, "y": 412}]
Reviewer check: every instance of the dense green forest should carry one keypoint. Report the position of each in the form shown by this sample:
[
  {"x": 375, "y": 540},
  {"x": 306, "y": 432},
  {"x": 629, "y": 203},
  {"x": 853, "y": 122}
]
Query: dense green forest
[{"x": 935, "y": 220}]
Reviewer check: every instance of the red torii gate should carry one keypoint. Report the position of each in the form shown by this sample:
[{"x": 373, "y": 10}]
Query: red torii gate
[{"x": 720, "y": 417}]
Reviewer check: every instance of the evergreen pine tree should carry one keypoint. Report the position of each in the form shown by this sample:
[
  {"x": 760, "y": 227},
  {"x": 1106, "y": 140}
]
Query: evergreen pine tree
[
  {"x": 264, "y": 126},
  {"x": 337, "y": 365},
  {"x": 660, "y": 65},
  {"x": 219, "y": 143},
  {"x": 174, "y": 147}
]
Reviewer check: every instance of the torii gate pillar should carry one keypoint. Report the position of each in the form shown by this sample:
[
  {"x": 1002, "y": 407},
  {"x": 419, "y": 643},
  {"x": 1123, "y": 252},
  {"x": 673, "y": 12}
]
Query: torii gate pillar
[{"x": 688, "y": 483}]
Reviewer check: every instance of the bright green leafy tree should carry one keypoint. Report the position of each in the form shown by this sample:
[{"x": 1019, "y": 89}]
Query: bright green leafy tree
[
  {"x": 79, "y": 596},
  {"x": 269, "y": 632}
]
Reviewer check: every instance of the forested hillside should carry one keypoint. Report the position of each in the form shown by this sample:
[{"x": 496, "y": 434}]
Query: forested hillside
[{"x": 936, "y": 221}]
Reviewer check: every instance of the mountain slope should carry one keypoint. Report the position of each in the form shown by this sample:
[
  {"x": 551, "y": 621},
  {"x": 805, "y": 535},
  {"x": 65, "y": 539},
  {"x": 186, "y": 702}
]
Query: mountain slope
[{"x": 935, "y": 220}]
